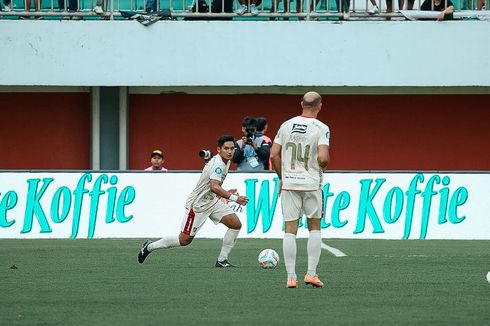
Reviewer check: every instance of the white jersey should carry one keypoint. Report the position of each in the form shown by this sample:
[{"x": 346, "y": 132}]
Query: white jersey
[
  {"x": 201, "y": 198},
  {"x": 300, "y": 138}
]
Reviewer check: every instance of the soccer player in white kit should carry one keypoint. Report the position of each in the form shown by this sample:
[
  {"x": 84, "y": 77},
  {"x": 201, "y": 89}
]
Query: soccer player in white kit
[
  {"x": 205, "y": 202},
  {"x": 299, "y": 154}
]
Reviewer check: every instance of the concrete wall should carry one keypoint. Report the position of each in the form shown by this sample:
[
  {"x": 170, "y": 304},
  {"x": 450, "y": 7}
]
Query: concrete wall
[{"x": 200, "y": 53}]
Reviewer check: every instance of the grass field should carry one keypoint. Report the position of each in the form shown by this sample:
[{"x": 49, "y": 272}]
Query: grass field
[{"x": 99, "y": 282}]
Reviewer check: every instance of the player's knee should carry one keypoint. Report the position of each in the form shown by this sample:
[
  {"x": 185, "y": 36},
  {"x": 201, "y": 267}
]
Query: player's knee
[
  {"x": 185, "y": 239},
  {"x": 238, "y": 225},
  {"x": 235, "y": 224}
]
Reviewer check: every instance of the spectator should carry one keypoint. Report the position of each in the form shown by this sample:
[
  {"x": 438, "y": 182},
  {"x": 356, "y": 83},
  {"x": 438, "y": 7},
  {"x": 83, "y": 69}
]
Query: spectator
[
  {"x": 243, "y": 7},
  {"x": 6, "y": 5},
  {"x": 299, "y": 6},
  {"x": 157, "y": 160},
  {"x": 374, "y": 10},
  {"x": 99, "y": 7},
  {"x": 251, "y": 153},
  {"x": 446, "y": 8},
  {"x": 401, "y": 4},
  {"x": 72, "y": 5},
  {"x": 151, "y": 5},
  {"x": 261, "y": 130},
  {"x": 343, "y": 7},
  {"x": 37, "y": 6}
]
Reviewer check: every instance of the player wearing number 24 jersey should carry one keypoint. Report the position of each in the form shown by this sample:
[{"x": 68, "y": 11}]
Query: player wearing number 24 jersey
[{"x": 299, "y": 154}]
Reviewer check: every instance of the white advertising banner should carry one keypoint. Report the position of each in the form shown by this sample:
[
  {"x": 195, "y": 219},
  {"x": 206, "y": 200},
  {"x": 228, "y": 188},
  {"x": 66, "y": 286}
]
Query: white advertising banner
[{"x": 142, "y": 205}]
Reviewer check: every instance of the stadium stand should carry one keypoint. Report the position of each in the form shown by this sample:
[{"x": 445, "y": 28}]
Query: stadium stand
[{"x": 181, "y": 9}]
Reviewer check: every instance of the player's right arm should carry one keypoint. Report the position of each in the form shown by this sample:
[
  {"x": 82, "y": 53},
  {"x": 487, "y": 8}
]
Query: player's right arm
[{"x": 276, "y": 158}]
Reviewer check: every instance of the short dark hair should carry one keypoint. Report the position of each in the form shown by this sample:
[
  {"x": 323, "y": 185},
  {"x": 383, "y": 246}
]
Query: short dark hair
[
  {"x": 249, "y": 122},
  {"x": 261, "y": 122},
  {"x": 223, "y": 139}
]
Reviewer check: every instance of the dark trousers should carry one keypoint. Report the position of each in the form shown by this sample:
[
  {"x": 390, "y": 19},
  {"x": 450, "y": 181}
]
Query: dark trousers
[{"x": 72, "y": 4}]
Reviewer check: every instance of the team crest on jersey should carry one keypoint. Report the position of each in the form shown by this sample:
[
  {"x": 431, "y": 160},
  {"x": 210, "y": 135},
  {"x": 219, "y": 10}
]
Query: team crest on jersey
[
  {"x": 218, "y": 170},
  {"x": 298, "y": 128}
]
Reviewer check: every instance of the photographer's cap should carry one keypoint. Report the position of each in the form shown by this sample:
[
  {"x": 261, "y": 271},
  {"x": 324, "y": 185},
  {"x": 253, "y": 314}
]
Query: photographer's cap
[{"x": 157, "y": 152}]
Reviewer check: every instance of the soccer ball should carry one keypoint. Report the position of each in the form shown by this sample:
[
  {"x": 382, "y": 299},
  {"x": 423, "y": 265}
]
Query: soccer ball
[{"x": 268, "y": 258}]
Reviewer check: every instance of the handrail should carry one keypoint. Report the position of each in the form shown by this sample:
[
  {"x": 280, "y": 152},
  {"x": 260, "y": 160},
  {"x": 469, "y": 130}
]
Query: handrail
[{"x": 182, "y": 11}]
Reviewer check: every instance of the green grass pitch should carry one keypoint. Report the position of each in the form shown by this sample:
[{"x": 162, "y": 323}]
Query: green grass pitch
[{"x": 99, "y": 282}]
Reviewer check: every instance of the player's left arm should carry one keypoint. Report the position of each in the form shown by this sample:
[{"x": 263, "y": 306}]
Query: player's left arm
[{"x": 324, "y": 148}]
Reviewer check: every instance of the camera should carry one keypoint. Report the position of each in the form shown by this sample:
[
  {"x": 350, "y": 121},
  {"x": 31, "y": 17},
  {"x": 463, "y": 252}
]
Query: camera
[
  {"x": 250, "y": 134},
  {"x": 205, "y": 154}
]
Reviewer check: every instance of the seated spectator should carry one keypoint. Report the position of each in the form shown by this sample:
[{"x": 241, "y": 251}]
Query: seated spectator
[
  {"x": 156, "y": 161},
  {"x": 446, "y": 8},
  {"x": 243, "y": 7},
  {"x": 251, "y": 153}
]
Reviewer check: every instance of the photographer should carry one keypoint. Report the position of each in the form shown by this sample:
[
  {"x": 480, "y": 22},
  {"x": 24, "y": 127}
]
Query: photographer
[{"x": 251, "y": 153}]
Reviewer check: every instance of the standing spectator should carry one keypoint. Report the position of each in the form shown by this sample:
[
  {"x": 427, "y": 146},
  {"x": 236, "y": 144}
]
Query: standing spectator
[
  {"x": 446, "y": 8},
  {"x": 243, "y": 7},
  {"x": 374, "y": 10},
  {"x": 99, "y": 7},
  {"x": 261, "y": 130},
  {"x": 299, "y": 155},
  {"x": 6, "y": 5},
  {"x": 37, "y": 5},
  {"x": 251, "y": 153},
  {"x": 343, "y": 7},
  {"x": 156, "y": 161},
  {"x": 401, "y": 4},
  {"x": 151, "y": 5},
  {"x": 72, "y": 5}
]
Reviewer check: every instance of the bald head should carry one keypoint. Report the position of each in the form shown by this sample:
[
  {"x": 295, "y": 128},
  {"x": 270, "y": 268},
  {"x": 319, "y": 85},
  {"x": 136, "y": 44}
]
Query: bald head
[{"x": 311, "y": 100}]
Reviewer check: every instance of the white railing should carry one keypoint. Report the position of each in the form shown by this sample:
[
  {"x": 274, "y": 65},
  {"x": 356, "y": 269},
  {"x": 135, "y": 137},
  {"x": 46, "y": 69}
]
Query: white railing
[{"x": 221, "y": 9}]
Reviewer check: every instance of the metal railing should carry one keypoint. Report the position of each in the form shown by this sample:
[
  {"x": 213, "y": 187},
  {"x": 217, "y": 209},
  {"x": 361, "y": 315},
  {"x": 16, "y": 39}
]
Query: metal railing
[{"x": 221, "y": 9}]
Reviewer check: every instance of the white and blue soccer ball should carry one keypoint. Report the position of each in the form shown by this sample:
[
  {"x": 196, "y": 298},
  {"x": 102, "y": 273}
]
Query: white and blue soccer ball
[{"x": 268, "y": 258}]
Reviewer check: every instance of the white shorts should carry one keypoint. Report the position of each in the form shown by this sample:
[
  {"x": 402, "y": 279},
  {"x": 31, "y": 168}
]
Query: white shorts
[
  {"x": 295, "y": 203},
  {"x": 193, "y": 222}
]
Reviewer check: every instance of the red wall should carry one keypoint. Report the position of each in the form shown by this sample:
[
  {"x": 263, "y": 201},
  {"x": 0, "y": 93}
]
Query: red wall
[
  {"x": 44, "y": 131},
  {"x": 368, "y": 132}
]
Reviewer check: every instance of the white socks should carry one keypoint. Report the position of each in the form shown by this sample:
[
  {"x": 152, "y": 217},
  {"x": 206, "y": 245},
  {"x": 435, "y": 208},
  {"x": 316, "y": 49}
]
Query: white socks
[
  {"x": 289, "y": 252},
  {"x": 165, "y": 243},
  {"x": 314, "y": 250},
  {"x": 228, "y": 243}
]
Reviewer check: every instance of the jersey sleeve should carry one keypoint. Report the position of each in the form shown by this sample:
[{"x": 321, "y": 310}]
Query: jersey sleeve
[
  {"x": 278, "y": 140},
  {"x": 324, "y": 136},
  {"x": 217, "y": 170}
]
